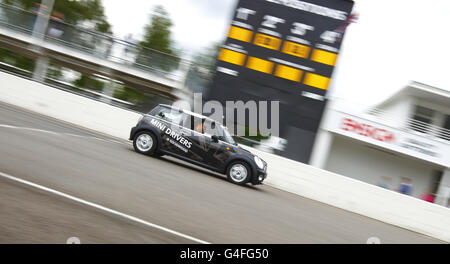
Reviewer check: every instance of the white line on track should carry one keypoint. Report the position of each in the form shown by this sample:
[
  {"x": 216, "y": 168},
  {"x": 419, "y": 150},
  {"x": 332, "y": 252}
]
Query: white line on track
[
  {"x": 100, "y": 207},
  {"x": 60, "y": 133},
  {"x": 29, "y": 128}
]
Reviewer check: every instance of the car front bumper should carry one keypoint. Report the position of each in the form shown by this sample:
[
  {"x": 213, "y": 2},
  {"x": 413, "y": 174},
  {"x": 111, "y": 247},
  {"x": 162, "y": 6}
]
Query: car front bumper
[{"x": 261, "y": 175}]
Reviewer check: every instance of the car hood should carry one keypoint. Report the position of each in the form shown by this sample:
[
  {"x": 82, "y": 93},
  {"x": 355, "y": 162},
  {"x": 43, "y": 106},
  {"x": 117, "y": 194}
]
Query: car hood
[{"x": 243, "y": 151}]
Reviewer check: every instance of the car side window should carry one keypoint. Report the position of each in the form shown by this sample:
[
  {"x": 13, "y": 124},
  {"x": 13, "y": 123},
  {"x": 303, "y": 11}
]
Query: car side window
[
  {"x": 187, "y": 121},
  {"x": 211, "y": 128},
  {"x": 170, "y": 115},
  {"x": 155, "y": 110},
  {"x": 199, "y": 125},
  {"x": 193, "y": 123}
]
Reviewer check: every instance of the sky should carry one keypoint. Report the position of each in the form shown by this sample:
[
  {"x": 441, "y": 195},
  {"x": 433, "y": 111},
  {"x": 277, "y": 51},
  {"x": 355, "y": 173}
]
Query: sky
[
  {"x": 392, "y": 43},
  {"x": 197, "y": 23}
]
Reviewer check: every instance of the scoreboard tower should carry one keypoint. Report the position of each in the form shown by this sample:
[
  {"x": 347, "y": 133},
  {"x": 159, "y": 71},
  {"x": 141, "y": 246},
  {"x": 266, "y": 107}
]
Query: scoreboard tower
[{"x": 283, "y": 50}]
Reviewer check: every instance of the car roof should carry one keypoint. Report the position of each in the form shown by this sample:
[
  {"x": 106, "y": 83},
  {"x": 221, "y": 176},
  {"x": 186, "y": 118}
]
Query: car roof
[{"x": 191, "y": 113}]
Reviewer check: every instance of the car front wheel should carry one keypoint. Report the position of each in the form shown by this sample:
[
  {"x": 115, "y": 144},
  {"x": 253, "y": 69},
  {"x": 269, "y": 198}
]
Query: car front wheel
[
  {"x": 238, "y": 172},
  {"x": 145, "y": 142}
]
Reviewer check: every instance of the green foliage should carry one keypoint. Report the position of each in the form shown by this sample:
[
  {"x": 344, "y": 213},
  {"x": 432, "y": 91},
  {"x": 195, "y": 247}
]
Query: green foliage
[
  {"x": 88, "y": 82},
  {"x": 158, "y": 37},
  {"x": 103, "y": 26},
  {"x": 252, "y": 139},
  {"x": 157, "y": 33},
  {"x": 207, "y": 58},
  {"x": 17, "y": 60},
  {"x": 129, "y": 94},
  {"x": 73, "y": 11},
  {"x": 54, "y": 71},
  {"x": 258, "y": 137}
]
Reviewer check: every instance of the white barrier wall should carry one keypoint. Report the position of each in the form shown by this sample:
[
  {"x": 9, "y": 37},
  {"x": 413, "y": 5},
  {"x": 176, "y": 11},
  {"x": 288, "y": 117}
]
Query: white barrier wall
[
  {"x": 285, "y": 174},
  {"x": 358, "y": 197},
  {"x": 66, "y": 106}
]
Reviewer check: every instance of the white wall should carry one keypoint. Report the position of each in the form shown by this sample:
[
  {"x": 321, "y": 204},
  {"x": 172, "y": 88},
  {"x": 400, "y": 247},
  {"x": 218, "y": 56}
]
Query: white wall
[
  {"x": 298, "y": 178},
  {"x": 357, "y": 196},
  {"x": 355, "y": 159},
  {"x": 66, "y": 106},
  {"x": 397, "y": 113}
]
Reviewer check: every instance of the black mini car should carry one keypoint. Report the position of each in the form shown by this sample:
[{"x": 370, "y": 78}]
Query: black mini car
[{"x": 200, "y": 140}]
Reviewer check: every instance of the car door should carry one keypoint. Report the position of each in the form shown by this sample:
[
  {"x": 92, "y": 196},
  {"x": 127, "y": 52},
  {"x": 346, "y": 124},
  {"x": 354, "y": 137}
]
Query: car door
[
  {"x": 171, "y": 134},
  {"x": 204, "y": 150},
  {"x": 217, "y": 150},
  {"x": 193, "y": 136}
]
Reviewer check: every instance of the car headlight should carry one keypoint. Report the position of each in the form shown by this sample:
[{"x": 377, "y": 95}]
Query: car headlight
[{"x": 259, "y": 162}]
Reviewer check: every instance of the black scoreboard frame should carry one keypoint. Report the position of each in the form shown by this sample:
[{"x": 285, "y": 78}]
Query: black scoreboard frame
[{"x": 283, "y": 50}]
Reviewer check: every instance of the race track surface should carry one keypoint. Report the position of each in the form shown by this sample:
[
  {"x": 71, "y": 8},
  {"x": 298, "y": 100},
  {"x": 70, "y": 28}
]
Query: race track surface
[{"x": 165, "y": 192}]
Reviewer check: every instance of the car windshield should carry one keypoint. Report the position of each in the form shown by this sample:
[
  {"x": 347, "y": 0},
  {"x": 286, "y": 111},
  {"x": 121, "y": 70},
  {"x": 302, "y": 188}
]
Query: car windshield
[
  {"x": 210, "y": 128},
  {"x": 226, "y": 136},
  {"x": 168, "y": 114}
]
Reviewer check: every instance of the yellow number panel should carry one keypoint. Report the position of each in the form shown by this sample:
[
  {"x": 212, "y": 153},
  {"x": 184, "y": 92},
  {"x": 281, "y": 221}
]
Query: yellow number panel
[
  {"x": 232, "y": 56},
  {"x": 240, "y": 34},
  {"x": 316, "y": 80},
  {"x": 260, "y": 65},
  {"x": 324, "y": 57},
  {"x": 267, "y": 41},
  {"x": 289, "y": 73},
  {"x": 296, "y": 49}
]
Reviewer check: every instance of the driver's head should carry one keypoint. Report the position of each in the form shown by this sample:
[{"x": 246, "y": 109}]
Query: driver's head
[{"x": 199, "y": 128}]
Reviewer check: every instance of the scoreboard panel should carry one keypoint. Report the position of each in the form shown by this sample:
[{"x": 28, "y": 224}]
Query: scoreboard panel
[{"x": 283, "y": 50}]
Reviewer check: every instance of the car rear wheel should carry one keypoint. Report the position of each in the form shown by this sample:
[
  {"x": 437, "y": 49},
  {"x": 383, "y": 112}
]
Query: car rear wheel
[
  {"x": 145, "y": 142},
  {"x": 238, "y": 172}
]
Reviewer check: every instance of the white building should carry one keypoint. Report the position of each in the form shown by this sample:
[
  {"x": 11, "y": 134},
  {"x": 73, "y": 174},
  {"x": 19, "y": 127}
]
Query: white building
[{"x": 405, "y": 138}]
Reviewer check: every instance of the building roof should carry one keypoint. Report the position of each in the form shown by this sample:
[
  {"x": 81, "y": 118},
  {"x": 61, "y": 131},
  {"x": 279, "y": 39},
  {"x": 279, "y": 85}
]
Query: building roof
[{"x": 418, "y": 90}]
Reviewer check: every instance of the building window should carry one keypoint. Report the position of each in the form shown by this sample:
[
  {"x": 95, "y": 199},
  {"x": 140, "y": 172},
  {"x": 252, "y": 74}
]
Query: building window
[
  {"x": 445, "y": 132},
  {"x": 422, "y": 119}
]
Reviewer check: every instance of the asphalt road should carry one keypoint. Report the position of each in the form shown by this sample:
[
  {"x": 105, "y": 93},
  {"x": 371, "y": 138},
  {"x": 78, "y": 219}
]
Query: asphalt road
[{"x": 162, "y": 191}]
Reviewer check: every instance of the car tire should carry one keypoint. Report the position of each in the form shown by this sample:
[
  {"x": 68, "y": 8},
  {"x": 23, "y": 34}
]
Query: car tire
[
  {"x": 239, "y": 172},
  {"x": 145, "y": 142}
]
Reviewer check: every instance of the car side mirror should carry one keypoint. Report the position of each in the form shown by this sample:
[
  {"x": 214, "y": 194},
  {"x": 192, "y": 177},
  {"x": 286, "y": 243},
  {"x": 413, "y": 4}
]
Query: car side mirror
[{"x": 215, "y": 138}]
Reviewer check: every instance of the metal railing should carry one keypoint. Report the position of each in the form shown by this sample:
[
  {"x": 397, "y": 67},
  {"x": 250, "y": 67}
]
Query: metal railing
[
  {"x": 427, "y": 129},
  {"x": 95, "y": 43}
]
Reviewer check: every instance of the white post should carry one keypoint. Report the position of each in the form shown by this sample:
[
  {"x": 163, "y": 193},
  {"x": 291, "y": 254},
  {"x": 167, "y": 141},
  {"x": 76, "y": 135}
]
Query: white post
[
  {"x": 43, "y": 17},
  {"x": 323, "y": 140},
  {"x": 39, "y": 29},
  {"x": 40, "y": 69},
  {"x": 443, "y": 194},
  {"x": 108, "y": 87},
  {"x": 321, "y": 149}
]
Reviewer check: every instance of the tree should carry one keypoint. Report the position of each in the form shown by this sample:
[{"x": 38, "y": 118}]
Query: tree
[
  {"x": 157, "y": 33},
  {"x": 208, "y": 57},
  {"x": 74, "y": 12},
  {"x": 202, "y": 69},
  {"x": 157, "y": 36},
  {"x": 97, "y": 15},
  {"x": 17, "y": 60}
]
